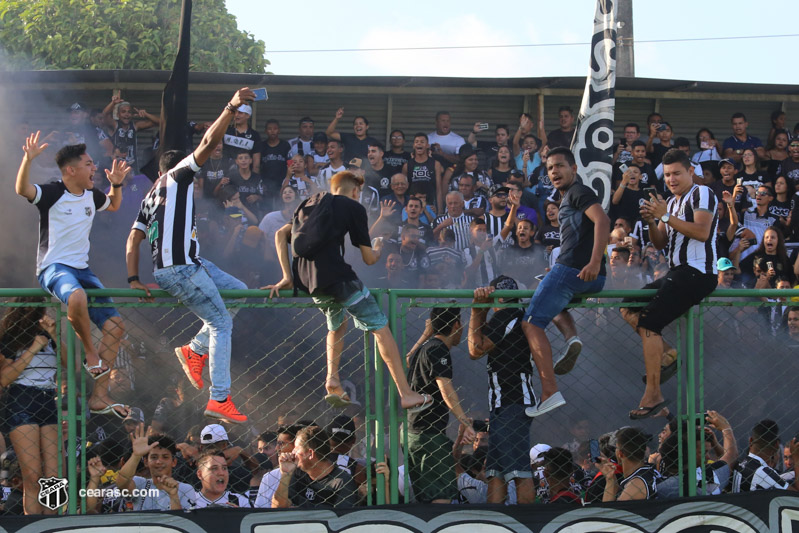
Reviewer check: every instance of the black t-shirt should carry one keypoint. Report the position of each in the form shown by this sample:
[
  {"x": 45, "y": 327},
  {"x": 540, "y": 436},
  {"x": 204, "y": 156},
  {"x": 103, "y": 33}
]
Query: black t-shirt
[
  {"x": 510, "y": 367},
  {"x": 424, "y": 173},
  {"x": 499, "y": 176},
  {"x": 274, "y": 164},
  {"x": 630, "y": 204},
  {"x": 522, "y": 264},
  {"x": 755, "y": 179},
  {"x": 741, "y": 201},
  {"x": 557, "y": 138},
  {"x": 329, "y": 266},
  {"x": 790, "y": 169},
  {"x": 430, "y": 361},
  {"x": 212, "y": 173},
  {"x": 576, "y": 229},
  {"x": 253, "y": 185},
  {"x": 548, "y": 235},
  {"x": 335, "y": 490},
  {"x": 234, "y": 142},
  {"x": 394, "y": 162},
  {"x": 657, "y": 153},
  {"x": 355, "y": 147},
  {"x": 782, "y": 268},
  {"x": 648, "y": 178},
  {"x": 380, "y": 179},
  {"x": 779, "y": 209}
]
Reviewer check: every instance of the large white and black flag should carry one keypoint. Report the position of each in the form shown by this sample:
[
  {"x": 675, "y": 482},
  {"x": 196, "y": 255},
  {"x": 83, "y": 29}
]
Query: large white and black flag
[{"x": 593, "y": 137}]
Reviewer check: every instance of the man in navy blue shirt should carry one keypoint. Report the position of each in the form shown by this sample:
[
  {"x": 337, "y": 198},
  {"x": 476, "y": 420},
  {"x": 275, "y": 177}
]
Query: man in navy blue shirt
[{"x": 735, "y": 144}]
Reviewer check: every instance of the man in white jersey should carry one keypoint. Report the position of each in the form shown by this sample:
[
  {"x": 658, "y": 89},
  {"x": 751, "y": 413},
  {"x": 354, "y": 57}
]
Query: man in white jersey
[
  {"x": 212, "y": 470},
  {"x": 686, "y": 224},
  {"x": 166, "y": 219},
  {"x": 66, "y": 212}
]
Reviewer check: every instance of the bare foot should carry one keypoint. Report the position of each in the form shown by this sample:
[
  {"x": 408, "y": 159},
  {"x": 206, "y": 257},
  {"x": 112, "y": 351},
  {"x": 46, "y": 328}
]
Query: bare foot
[
  {"x": 92, "y": 361},
  {"x": 98, "y": 404},
  {"x": 333, "y": 386}
]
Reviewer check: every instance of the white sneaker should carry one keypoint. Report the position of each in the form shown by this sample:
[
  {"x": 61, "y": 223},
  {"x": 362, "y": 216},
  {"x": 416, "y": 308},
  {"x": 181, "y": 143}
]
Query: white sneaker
[
  {"x": 553, "y": 402},
  {"x": 568, "y": 358}
]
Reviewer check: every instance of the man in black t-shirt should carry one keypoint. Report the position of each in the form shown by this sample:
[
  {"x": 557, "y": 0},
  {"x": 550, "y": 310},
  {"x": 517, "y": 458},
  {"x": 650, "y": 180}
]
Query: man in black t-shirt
[
  {"x": 240, "y": 136},
  {"x": 397, "y": 156},
  {"x": 378, "y": 174},
  {"x": 563, "y": 136},
  {"x": 274, "y": 158},
  {"x": 319, "y": 483},
  {"x": 580, "y": 268},
  {"x": 648, "y": 176},
  {"x": 430, "y": 462},
  {"x": 510, "y": 391},
  {"x": 334, "y": 285}
]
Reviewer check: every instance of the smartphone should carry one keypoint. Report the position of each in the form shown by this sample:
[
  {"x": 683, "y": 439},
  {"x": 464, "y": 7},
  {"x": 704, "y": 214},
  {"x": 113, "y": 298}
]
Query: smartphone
[
  {"x": 623, "y": 167},
  {"x": 483, "y": 126},
  {"x": 650, "y": 191},
  {"x": 662, "y": 127},
  {"x": 770, "y": 265},
  {"x": 593, "y": 449},
  {"x": 628, "y": 241},
  {"x": 260, "y": 94},
  {"x": 753, "y": 242},
  {"x": 740, "y": 181}
]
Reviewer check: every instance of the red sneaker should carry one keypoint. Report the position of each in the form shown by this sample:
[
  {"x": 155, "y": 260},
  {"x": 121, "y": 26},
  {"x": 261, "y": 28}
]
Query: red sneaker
[
  {"x": 193, "y": 364},
  {"x": 224, "y": 411}
]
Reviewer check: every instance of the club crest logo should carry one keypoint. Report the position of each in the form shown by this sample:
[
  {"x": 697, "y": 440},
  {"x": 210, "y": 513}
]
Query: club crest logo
[
  {"x": 53, "y": 492},
  {"x": 88, "y": 211}
]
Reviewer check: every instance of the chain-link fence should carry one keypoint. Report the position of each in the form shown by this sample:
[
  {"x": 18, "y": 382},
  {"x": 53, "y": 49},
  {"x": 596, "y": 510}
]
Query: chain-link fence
[{"x": 742, "y": 360}]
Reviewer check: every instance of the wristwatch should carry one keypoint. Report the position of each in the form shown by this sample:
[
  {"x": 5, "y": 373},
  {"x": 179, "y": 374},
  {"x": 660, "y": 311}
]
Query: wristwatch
[{"x": 665, "y": 218}]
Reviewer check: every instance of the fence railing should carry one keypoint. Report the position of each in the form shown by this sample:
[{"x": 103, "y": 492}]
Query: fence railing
[{"x": 732, "y": 356}]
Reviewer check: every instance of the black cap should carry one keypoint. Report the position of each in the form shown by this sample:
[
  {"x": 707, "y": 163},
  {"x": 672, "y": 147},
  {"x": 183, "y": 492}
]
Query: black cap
[
  {"x": 319, "y": 136},
  {"x": 504, "y": 283},
  {"x": 341, "y": 428},
  {"x": 496, "y": 189},
  {"x": 77, "y": 106}
]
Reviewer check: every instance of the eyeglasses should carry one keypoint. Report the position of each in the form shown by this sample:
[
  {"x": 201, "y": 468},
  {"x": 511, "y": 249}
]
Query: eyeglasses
[
  {"x": 395, "y": 137},
  {"x": 501, "y": 195},
  {"x": 762, "y": 193}
]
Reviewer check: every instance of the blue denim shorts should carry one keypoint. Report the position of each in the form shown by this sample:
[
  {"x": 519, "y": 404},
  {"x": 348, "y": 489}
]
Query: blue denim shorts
[
  {"x": 508, "y": 443},
  {"x": 555, "y": 292},
  {"x": 62, "y": 280},
  {"x": 355, "y": 299},
  {"x": 29, "y": 406}
]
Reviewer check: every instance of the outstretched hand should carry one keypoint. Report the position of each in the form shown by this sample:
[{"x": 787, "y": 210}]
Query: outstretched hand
[
  {"x": 32, "y": 147},
  {"x": 242, "y": 96},
  {"x": 140, "y": 446},
  {"x": 119, "y": 169}
]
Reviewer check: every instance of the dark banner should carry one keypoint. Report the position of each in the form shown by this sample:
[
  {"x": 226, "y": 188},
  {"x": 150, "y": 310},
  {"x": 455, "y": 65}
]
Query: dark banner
[{"x": 741, "y": 513}]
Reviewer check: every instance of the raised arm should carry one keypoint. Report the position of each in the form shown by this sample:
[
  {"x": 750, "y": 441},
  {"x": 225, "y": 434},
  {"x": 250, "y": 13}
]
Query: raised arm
[
  {"x": 331, "y": 128},
  {"x": 32, "y": 150},
  {"x": 108, "y": 111},
  {"x": 479, "y": 344},
  {"x": 216, "y": 132}
]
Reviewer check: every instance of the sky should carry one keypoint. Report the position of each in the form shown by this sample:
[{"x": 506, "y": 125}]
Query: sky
[{"x": 359, "y": 24}]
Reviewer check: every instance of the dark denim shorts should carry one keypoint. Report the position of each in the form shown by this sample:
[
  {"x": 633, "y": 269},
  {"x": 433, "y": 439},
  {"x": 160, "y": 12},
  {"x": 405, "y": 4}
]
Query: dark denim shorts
[{"x": 29, "y": 406}]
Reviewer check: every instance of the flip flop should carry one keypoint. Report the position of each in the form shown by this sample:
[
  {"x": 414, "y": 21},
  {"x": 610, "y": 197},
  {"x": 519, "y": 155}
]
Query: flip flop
[
  {"x": 647, "y": 411},
  {"x": 109, "y": 410},
  {"x": 95, "y": 367},
  {"x": 666, "y": 372},
  {"x": 428, "y": 401},
  {"x": 338, "y": 401}
]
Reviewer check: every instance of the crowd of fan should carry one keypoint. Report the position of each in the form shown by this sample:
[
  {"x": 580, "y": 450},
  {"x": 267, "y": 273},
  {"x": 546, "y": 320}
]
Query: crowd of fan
[{"x": 452, "y": 212}]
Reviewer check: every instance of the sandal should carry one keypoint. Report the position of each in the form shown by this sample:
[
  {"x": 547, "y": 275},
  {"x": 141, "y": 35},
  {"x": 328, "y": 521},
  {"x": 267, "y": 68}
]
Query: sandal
[
  {"x": 338, "y": 401},
  {"x": 428, "y": 401},
  {"x": 110, "y": 410},
  {"x": 647, "y": 411},
  {"x": 95, "y": 367}
]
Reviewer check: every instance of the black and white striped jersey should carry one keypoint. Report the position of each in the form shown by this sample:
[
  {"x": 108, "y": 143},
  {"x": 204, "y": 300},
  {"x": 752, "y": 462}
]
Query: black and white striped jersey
[
  {"x": 167, "y": 217},
  {"x": 460, "y": 225},
  {"x": 648, "y": 475},
  {"x": 65, "y": 221},
  {"x": 683, "y": 250},
  {"x": 754, "y": 474}
]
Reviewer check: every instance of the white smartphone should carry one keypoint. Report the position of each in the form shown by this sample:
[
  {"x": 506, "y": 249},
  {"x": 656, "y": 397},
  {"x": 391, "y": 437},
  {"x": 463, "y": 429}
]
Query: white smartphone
[
  {"x": 623, "y": 167},
  {"x": 483, "y": 126}
]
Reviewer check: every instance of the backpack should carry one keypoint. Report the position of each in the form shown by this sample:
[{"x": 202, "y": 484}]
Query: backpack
[{"x": 312, "y": 225}]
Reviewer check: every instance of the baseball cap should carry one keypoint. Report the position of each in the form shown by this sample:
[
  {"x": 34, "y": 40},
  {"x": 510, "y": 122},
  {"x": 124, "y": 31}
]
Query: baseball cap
[
  {"x": 726, "y": 160},
  {"x": 77, "y": 106},
  {"x": 135, "y": 415},
  {"x": 244, "y": 108},
  {"x": 537, "y": 451},
  {"x": 213, "y": 433},
  {"x": 319, "y": 136},
  {"x": 504, "y": 283},
  {"x": 342, "y": 427},
  {"x": 355, "y": 162},
  {"x": 724, "y": 264},
  {"x": 497, "y": 189}
]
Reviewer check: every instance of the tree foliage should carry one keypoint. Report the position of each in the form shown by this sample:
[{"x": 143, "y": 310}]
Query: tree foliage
[{"x": 123, "y": 34}]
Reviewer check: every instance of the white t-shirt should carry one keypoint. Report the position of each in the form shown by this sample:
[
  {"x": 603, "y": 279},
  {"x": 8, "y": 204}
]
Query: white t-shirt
[
  {"x": 228, "y": 499},
  {"x": 186, "y": 493},
  {"x": 267, "y": 489},
  {"x": 449, "y": 143}
]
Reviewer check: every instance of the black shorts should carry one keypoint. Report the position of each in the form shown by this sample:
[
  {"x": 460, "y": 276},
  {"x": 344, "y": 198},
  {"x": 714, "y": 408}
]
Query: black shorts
[
  {"x": 29, "y": 406},
  {"x": 679, "y": 290}
]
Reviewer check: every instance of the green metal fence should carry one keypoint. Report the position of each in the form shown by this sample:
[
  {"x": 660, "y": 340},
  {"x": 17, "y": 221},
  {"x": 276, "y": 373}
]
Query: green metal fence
[{"x": 278, "y": 369}]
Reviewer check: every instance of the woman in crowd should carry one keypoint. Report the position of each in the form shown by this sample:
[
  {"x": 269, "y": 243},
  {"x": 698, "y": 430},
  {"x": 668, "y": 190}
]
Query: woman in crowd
[
  {"x": 549, "y": 232},
  {"x": 708, "y": 147},
  {"x": 727, "y": 226},
  {"x": 503, "y": 164},
  {"x": 776, "y": 153},
  {"x": 527, "y": 157},
  {"x": 28, "y": 368},
  {"x": 773, "y": 252},
  {"x": 752, "y": 175},
  {"x": 780, "y": 206},
  {"x": 467, "y": 166},
  {"x": 298, "y": 178},
  {"x": 777, "y": 125}
]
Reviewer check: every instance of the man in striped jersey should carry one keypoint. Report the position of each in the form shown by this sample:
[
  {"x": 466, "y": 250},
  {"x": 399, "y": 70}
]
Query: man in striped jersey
[
  {"x": 456, "y": 219},
  {"x": 167, "y": 220},
  {"x": 686, "y": 226},
  {"x": 756, "y": 472}
]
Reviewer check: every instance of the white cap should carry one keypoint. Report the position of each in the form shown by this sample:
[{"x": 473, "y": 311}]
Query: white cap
[
  {"x": 244, "y": 108},
  {"x": 213, "y": 433},
  {"x": 537, "y": 450}
]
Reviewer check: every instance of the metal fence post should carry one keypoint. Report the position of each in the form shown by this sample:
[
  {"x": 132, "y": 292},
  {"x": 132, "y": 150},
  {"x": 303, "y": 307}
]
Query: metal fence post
[
  {"x": 72, "y": 467},
  {"x": 380, "y": 445},
  {"x": 393, "y": 419},
  {"x": 691, "y": 401}
]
